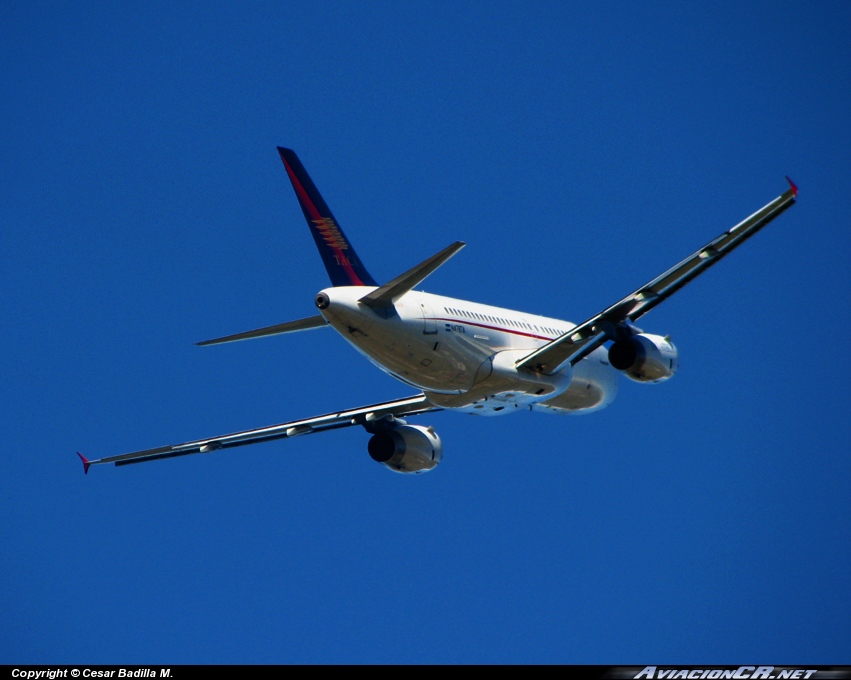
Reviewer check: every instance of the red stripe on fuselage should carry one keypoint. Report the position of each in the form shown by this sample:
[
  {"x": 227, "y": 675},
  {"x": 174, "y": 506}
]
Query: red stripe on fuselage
[
  {"x": 304, "y": 199},
  {"x": 497, "y": 328}
]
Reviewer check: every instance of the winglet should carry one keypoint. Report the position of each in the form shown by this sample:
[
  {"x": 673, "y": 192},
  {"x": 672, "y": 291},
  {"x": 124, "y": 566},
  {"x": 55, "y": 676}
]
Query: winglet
[
  {"x": 86, "y": 463},
  {"x": 792, "y": 186}
]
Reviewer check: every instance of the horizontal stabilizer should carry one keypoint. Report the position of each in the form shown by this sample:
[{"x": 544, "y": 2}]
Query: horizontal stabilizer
[
  {"x": 277, "y": 329},
  {"x": 387, "y": 294}
]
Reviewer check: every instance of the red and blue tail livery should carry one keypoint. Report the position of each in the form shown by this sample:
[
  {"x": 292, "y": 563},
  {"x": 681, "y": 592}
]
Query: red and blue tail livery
[{"x": 343, "y": 265}]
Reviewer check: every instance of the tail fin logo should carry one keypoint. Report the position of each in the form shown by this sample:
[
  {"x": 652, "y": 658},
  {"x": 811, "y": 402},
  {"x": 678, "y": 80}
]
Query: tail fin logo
[
  {"x": 331, "y": 233},
  {"x": 338, "y": 255}
]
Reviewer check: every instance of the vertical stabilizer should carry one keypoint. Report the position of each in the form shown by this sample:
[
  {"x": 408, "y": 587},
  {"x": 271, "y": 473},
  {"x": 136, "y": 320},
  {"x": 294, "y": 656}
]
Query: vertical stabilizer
[{"x": 343, "y": 265}]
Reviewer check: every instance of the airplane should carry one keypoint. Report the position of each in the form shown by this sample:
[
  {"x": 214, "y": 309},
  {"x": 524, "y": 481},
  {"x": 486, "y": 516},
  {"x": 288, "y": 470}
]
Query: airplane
[{"x": 460, "y": 355}]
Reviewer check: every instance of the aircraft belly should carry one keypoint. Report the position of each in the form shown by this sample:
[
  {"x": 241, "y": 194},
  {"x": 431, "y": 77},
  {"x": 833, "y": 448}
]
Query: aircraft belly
[
  {"x": 589, "y": 386},
  {"x": 426, "y": 365},
  {"x": 594, "y": 386},
  {"x": 430, "y": 361}
]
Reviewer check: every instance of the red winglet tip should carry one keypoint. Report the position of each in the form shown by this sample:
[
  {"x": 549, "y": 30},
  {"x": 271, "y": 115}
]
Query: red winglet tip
[
  {"x": 793, "y": 186},
  {"x": 86, "y": 463}
]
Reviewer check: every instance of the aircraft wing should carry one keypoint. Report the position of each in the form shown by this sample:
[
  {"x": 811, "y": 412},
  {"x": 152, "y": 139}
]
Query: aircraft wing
[
  {"x": 579, "y": 342},
  {"x": 330, "y": 421}
]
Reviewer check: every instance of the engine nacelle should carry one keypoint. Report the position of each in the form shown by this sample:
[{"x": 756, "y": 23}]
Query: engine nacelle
[
  {"x": 645, "y": 358},
  {"x": 407, "y": 448}
]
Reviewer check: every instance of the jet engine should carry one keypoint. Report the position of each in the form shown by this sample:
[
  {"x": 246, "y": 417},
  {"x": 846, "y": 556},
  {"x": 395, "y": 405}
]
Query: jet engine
[
  {"x": 407, "y": 448},
  {"x": 645, "y": 358}
]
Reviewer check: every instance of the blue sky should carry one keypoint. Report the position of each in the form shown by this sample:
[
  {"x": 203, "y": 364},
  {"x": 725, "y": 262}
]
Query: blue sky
[{"x": 579, "y": 151}]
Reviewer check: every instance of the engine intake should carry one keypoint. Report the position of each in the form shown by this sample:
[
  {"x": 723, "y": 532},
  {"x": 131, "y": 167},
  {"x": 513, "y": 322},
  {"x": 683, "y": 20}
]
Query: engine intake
[
  {"x": 645, "y": 358},
  {"x": 407, "y": 448}
]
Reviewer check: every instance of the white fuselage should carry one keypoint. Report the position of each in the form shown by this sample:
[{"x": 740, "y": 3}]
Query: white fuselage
[{"x": 462, "y": 354}]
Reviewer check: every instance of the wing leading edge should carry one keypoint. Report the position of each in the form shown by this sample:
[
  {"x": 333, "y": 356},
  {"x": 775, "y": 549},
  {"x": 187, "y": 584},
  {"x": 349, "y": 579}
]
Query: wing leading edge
[
  {"x": 330, "y": 421},
  {"x": 579, "y": 342}
]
